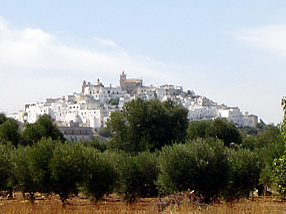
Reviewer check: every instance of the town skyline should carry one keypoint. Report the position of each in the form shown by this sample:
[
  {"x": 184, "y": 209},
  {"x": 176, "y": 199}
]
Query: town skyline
[{"x": 93, "y": 105}]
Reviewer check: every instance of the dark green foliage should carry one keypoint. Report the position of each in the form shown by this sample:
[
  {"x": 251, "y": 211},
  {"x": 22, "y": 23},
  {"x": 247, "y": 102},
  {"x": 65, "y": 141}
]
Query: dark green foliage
[
  {"x": 147, "y": 125},
  {"x": 274, "y": 147},
  {"x": 137, "y": 175},
  {"x": 244, "y": 173},
  {"x": 247, "y": 130},
  {"x": 200, "y": 165},
  {"x": 22, "y": 173},
  {"x": 270, "y": 135},
  {"x": 251, "y": 142},
  {"x": 278, "y": 175},
  {"x": 44, "y": 127},
  {"x": 114, "y": 102},
  {"x": 268, "y": 145},
  {"x": 101, "y": 146},
  {"x": 31, "y": 167},
  {"x": 49, "y": 166},
  {"x": 226, "y": 131},
  {"x": 6, "y": 152},
  {"x": 69, "y": 168},
  {"x": 260, "y": 126},
  {"x": 279, "y": 163},
  {"x": 104, "y": 133},
  {"x": 199, "y": 129},
  {"x": 101, "y": 175},
  {"x": 218, "y": 128},
  {"x": 9, "y": 132},
  {"x": 3, "y": 118}
]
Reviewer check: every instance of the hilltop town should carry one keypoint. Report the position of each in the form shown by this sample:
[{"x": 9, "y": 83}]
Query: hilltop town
[{"x": 92, "y": 106}]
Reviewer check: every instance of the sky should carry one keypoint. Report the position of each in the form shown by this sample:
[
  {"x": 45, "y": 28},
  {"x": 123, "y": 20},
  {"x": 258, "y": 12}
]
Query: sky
[{"x": 233, "y": 52}]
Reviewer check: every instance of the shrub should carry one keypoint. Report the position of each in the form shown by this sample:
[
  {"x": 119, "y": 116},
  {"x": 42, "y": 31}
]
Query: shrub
[
  {"x": 200, "y": 165},
  {"x": 69, "y": 167},
  {"x": 31, "y": 168},
  {"x": 6, "y": 152},
  {"x": 104, "y": 133},
  {"x": 101, "y": 175},
  {"x": 218, "y": 128},
  {"x": 137, "y": 175},
  {"x": 244, "y": 173},
  {"x": 278, "y": 172},
  {"x": 101, "y": 146}
]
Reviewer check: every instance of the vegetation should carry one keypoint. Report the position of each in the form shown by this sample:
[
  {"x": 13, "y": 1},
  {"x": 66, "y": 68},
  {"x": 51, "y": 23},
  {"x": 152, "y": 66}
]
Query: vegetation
[
  {"x": 9, "y": 132},
  {"x": 279, "y": 163},
  {"x": 3, "y": 118},
  {"x": 243, "y": 174},
  {"x": 31, "y": 167},
  {"x": 152, "y": 149},
  {"x": 137, "y": 175},
  {"x": 218, "y": 128},
  {"x": 200, "y": 165},
  {"x": 101, "y": 176},
  {"x": 42, "y": 128},
  {"x": 147, "y": 125},
  {"x": 6, "y": 174}
]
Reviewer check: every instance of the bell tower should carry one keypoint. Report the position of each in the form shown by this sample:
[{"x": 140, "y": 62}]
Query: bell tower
[{"x": 122, "y": 79}]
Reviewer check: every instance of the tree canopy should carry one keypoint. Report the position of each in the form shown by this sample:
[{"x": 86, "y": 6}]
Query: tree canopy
[
  {"x": 44, "y": 127},
  {"x": 3, "y": 118},
  {"x": 9, "y": 132},
  {"x": 218, "y": 128},
  {"x": 147, "y": 125}
]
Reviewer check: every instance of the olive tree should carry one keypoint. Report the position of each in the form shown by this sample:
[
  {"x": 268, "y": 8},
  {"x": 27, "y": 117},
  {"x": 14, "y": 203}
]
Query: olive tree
[
  {"x": 279, "y": 164},
  {"x": 69, "y": 168},
  {"x": 101, "y": 175},
  {"x": 6, "y": 166},
  {"x": 278, "y": 175},
  {"x": 31, "y": 167},
  {"x": 243, "y": 174},
  {"x": 200, "y": 165},
  {"x": 9, "y": 132},
  {"x": 137, "y": 175}
]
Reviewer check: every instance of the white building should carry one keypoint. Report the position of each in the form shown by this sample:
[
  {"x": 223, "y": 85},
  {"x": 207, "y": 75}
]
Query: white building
[{"x": 94, "y": 104}]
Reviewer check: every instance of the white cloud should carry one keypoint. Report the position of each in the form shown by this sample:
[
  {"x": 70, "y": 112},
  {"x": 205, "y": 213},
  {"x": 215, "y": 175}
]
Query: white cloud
[
  {"x": 35, "y": 50},
  {"x": 104, "y": 42},
  {"x": 267, "y": 37},
  {"x": 36, "y": 65}
]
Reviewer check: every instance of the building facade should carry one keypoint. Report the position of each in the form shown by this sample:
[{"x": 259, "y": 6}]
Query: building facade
[{"x": 94, "y": 104}]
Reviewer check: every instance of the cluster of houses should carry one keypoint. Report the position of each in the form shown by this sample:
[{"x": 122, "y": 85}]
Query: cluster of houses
[{"x": 80, "y": 113}]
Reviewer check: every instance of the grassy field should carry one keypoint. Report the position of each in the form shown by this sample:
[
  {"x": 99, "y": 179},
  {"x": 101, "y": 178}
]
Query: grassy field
[{"x": 112, "y": 204}]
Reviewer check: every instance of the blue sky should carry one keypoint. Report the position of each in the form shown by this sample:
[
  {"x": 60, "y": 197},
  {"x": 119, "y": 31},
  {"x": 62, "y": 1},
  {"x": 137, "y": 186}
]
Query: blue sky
[{"x": 230, "y": 51}]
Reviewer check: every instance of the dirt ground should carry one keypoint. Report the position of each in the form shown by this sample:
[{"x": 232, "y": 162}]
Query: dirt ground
[{"x": 113, "y": 204}]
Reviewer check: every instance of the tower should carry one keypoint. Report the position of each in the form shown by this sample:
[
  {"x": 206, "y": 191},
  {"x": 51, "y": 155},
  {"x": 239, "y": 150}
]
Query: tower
[{"x": 122, "y": 79}]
